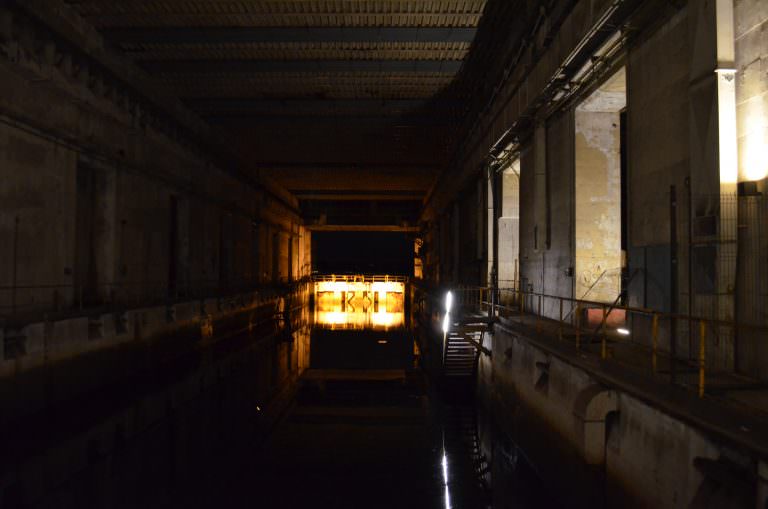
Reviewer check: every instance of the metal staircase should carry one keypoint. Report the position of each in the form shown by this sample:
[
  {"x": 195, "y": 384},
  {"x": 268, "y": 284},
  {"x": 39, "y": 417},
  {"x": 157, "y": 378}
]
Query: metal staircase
[
  {"x": 459, "y": 356},
  {"x": 461, "y": 350}
]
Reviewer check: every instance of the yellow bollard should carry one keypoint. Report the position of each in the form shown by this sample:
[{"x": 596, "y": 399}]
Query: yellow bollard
[
  {"x": 655, "y": 335},
  {"x": 702, "y": 355}
]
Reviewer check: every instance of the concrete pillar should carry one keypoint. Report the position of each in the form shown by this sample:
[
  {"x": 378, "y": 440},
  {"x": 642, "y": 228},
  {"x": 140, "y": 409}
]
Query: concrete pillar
[
  {"x": 713, "y": 154},
  {"x": 591, "y": 408},
  {"x": 490, "y": 228},
  {"x": 541, "y": 205},
  {"x": 456, "y": 234}
]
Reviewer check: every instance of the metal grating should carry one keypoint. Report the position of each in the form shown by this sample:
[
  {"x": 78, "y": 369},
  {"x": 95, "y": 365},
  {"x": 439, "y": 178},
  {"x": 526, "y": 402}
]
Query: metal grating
[
  {"x": 331, "y": 86},
  {"x": 300, "y": 51},
  {"x": 145, "y": 13}
]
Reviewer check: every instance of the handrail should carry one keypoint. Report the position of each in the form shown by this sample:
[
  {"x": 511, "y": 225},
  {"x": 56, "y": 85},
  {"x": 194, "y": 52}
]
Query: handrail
[
  {"x": 698, "y": 356},
  {"x": 361, "y": 278}
]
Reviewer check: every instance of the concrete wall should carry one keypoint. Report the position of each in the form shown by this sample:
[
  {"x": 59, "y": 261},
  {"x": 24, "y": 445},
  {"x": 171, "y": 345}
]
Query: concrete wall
[
  {"x": 569, "y": 202},
  {"x": 86, "y": 179},
  {"x": 598, "y": 206},
  {"x": 546, "y": 252},
  {"x": 509, "y": 227},
  {"x": 598, "y": 445},
  {"x": 751, "y": 33}
]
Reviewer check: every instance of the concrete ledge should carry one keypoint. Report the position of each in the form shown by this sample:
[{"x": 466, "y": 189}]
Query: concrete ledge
[
  {"x": 643, "y": 437},
  {"x": 186, "y": 311},
  {"x": 211, "y": 306},
  {"x": 68, "y": 337}
]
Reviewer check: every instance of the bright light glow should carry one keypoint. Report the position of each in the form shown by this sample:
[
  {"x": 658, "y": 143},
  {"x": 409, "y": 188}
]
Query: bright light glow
[
  {"x": 387, "y": 287},
  {"x": 754, "y": 160},
  {"x": 726, "y": 108},
  {"x": 382, "y": 341},
  {"x": 385, "y": 319},
  {"x": 444, "y": 462},
  {"x": 359, "y": 287},
  {"x": 446, "y": 323},
  {"x": 445, "y": 482},
  {"x": 623, "y": 331},
  {"x": 366, "y": 304},
  {"x": 358, "y": 318},
  {"x": 448, "y": 302}
]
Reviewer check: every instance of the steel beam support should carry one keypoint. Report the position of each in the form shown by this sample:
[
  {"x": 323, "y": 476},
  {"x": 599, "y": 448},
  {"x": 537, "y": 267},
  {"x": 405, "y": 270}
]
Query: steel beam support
[
  {"x": 240, "y": 35},
  {"x": 300, "y": 66}
]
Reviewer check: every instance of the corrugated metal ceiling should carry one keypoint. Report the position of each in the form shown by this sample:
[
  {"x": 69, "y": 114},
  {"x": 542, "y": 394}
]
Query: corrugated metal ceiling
[
  {"x": 214, "y": 48},
  {"x": 142, "y": 13}
]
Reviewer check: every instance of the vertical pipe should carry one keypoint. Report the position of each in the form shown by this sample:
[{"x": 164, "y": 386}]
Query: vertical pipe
[
  {"x": 15, "y": 263},
  {"x": 560, "y": 321},
  {"x": 702, "y": 355},
  {"x": 655, "y": 333},
  {"x": 673, "y": 282}
]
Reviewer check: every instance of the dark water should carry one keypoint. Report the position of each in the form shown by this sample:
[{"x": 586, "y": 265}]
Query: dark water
[
  {"x": 369, "y": 428},
  {"x": 311, "y": 417}
]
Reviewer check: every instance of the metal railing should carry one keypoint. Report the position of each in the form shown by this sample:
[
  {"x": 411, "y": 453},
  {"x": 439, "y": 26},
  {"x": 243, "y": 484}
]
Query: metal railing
[
  {"x": 659, "y": 344},
  {"x": 360, "y": 278}
]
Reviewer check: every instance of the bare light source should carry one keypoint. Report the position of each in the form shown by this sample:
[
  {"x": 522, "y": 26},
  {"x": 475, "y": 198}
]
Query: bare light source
[
  {"x": 726, "y": 101},
  {"x": 448, "y": 302},
  {"x": 623, "y": 331}
]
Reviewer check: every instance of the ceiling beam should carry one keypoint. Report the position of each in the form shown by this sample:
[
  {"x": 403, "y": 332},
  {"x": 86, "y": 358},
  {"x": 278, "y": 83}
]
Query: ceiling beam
[
  {"x": 239, "y": 35},
  {"x": 361, "y": 228},
  {"x": 363, "y": 106},
  {"x": 311, "y": 66},
  {"x": 359, "y": 121},
  {"x": 362, "y": 195}
]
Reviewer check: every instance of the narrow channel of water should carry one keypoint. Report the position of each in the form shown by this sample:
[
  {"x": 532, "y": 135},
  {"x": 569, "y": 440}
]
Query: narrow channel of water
[{"x": 369, "y": 428}]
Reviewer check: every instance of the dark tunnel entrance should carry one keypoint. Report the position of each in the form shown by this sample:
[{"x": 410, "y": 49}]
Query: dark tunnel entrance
[{"x": 362, "y": 253}]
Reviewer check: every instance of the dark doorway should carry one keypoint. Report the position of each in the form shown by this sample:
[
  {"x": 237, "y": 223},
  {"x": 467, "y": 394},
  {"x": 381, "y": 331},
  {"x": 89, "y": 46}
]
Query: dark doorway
[{"x": 362, "y": 253}]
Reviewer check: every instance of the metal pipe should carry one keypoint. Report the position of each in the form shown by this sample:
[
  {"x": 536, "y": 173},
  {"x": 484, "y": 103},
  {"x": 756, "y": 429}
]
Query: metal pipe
[{"x": 15, "y": 263}]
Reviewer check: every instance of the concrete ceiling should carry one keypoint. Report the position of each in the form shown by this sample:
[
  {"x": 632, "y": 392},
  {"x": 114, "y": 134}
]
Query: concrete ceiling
[{"x": 322, "y": 95}]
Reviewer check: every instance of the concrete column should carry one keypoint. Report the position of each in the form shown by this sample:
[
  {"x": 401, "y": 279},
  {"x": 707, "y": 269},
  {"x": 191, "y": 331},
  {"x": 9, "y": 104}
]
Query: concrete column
[
  {"x": 490, "y": 228},
  {"x": 541, "y": 205},
  {"x": 713, "y": 157},
  {"x": 456, "y": 234}
]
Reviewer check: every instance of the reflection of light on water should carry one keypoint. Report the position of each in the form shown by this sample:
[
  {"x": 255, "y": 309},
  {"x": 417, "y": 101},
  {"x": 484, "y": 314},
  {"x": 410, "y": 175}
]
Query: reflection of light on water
[
  {"x": 332, "y": 317},
  {"x": 358, "y": 319},
  {"x": 445, "y": 481},
  {"x": 384, "y": 319}
]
